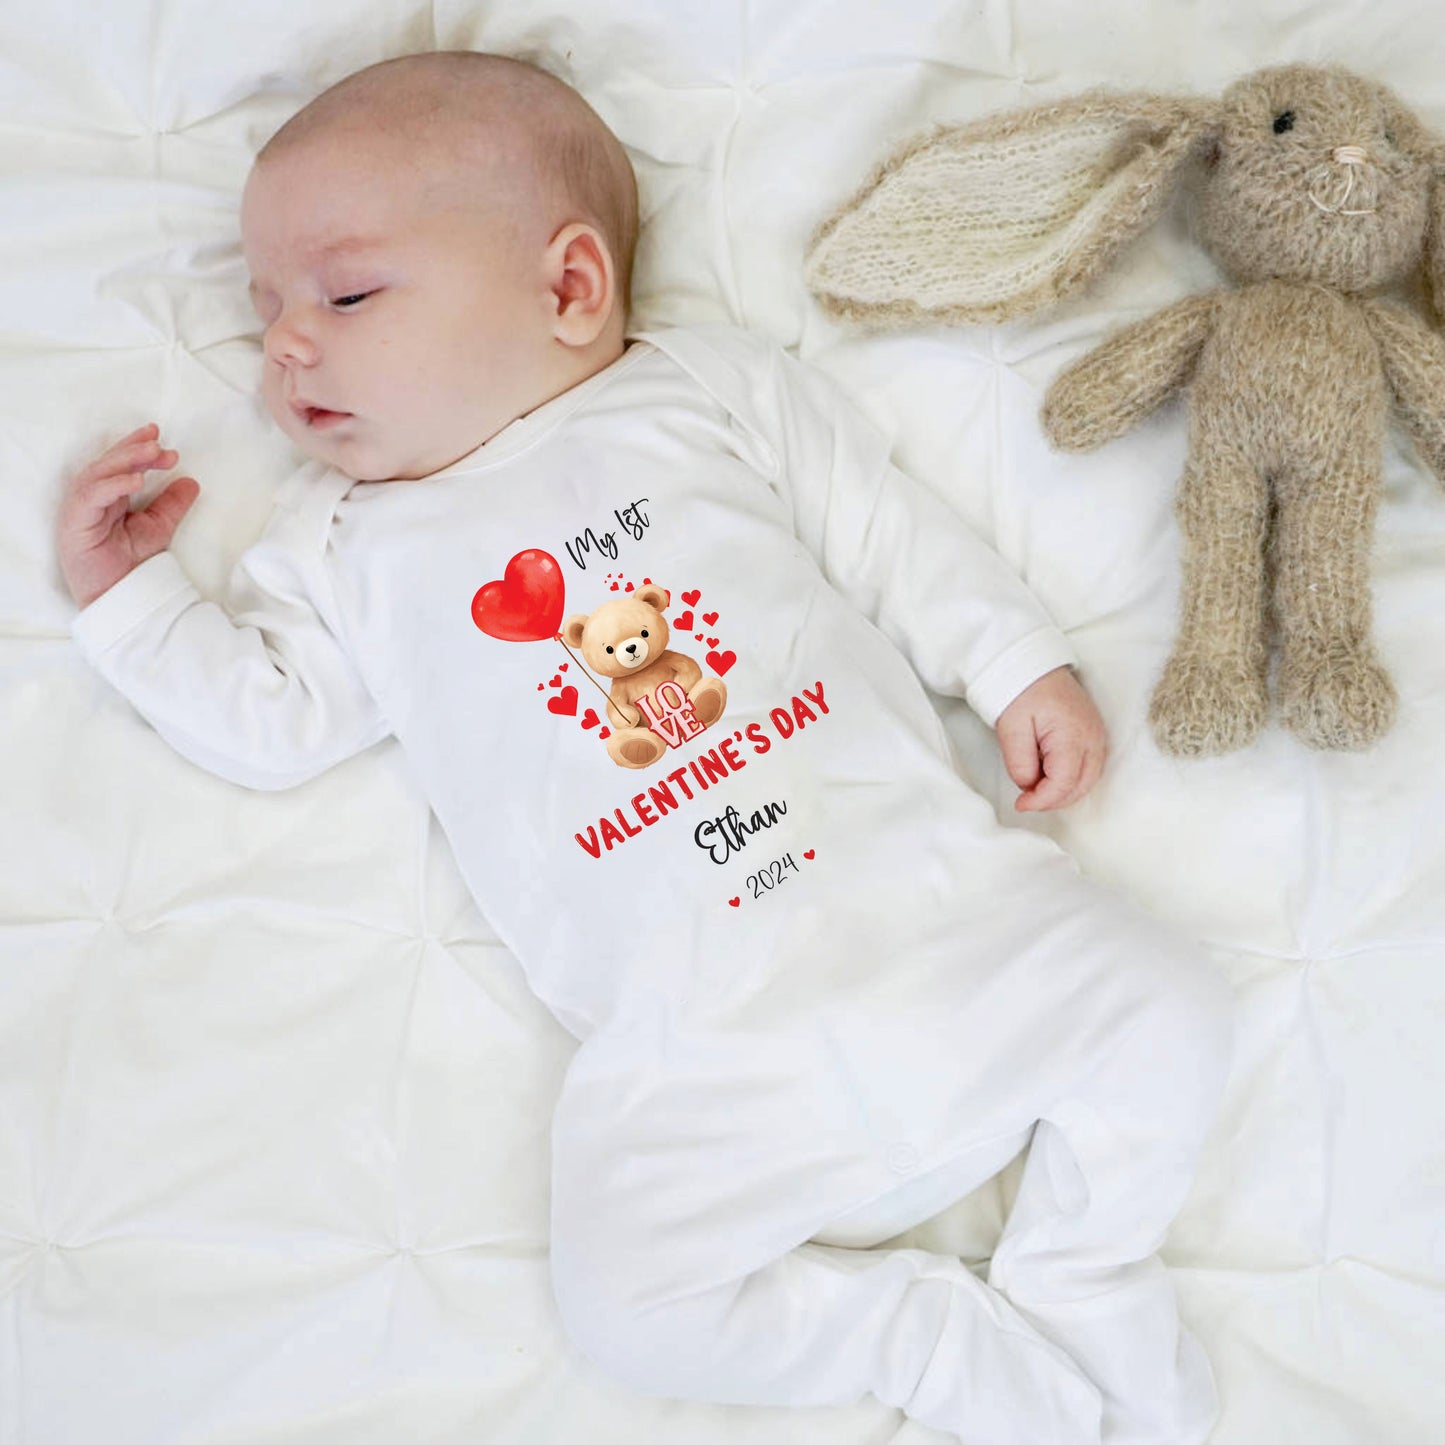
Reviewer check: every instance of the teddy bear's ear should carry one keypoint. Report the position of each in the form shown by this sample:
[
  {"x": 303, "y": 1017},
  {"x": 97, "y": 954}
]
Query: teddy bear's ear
[
  {"x": 991, "y": 220},
  {"x": 655, "y": 596},
  {"x": 572, "y": 629}
]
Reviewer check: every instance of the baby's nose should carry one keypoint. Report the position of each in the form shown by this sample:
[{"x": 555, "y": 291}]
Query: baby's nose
[{"x": 284, "y": 342}]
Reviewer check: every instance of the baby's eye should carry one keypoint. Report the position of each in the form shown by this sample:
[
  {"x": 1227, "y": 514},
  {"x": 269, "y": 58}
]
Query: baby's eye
[{"x": 351, "y": 300}]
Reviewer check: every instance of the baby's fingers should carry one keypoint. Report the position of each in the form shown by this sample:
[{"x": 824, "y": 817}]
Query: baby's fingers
[
  {"x": 125, "y": 456},
  {"x": 1065, "y": 769},
  {"x": 152, "y": 527},
  {"x": 119, "y": 473}
]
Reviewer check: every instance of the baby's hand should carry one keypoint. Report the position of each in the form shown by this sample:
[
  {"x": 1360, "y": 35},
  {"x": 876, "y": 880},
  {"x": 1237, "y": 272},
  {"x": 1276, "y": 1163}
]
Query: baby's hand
[
  {"x": 1053, "y": 742},
  {"x": 100, "y": 538}
]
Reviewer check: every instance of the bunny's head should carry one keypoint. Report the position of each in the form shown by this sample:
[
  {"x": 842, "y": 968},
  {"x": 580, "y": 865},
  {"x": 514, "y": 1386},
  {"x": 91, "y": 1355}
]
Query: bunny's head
[{"x": 1304, "y": 173}]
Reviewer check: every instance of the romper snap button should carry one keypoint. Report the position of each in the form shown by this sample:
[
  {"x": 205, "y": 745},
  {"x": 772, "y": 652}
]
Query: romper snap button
[{"x": 902, "y": 1158}]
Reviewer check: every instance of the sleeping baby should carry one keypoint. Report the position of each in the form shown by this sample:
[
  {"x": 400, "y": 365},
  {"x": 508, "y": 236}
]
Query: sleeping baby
[{"x": 588, "y": 579}]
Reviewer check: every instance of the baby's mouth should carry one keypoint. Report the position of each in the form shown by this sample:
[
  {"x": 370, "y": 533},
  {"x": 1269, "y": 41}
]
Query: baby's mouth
[{"x": 318, "y": 418}]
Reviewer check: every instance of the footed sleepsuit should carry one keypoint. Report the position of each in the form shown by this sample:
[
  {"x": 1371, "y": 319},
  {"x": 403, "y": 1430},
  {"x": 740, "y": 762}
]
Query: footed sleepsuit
[{"x": 819, "y": 991}]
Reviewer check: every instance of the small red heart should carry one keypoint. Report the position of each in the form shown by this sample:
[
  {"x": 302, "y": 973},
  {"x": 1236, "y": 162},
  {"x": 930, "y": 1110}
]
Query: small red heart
[
  {"x": 556, "y": 681},
  {"x": 691, "y": 597},
  {"x": 590, "y": 718},
  {"x": 710, "y": 619},
  {"x": 697, "y": 637},
  {"x": 565, "y": 703},
  {"x": 614, "y": 587},
  {"x": 629, "y": 587},
  {"x": 734, "y": 902},
  {"x": 562, "y": 668},
  {"x": 541, "y": 686},
  {"x": 647, "y": 581},
  {"x": 809, "y": 854},
  {"x": 684, "y": 621},
  {"x": 712, "y": 642},
  {"x": 721, "y": 661},
  {"x": 605, "y": 733}
]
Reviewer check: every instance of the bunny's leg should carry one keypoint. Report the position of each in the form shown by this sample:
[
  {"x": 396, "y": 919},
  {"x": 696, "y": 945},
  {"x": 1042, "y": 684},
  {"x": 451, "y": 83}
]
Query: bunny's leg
[
  {"x": 1212, "y": 697},
  {"x": 1333, "y": 692}
]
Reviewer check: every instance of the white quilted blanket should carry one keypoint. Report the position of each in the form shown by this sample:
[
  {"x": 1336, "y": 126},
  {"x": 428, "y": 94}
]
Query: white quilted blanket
[{"x": 274, "y": 1101}]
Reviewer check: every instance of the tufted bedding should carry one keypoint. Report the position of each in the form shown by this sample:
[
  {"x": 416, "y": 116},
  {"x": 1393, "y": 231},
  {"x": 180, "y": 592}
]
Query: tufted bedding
[{"x": 274, "y": 1100}]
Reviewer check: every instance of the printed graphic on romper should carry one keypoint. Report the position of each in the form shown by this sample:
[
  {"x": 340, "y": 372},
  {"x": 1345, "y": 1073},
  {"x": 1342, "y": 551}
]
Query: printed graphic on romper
[{"x": 657, "y": 699}]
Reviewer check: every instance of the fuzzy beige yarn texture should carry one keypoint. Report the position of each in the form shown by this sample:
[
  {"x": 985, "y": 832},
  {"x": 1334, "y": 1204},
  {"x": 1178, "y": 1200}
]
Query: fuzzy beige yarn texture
[{"x": 1317, "y": 193}]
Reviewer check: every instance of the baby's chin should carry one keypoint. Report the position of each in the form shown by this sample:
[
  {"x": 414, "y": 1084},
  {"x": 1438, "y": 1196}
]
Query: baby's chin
[{"x": 344, "y": 449}]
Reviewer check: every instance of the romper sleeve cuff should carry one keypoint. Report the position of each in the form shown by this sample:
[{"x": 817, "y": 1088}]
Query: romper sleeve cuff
[
  {"x": 1013, "y": 670},
  {"x": 128, "y": 603}
]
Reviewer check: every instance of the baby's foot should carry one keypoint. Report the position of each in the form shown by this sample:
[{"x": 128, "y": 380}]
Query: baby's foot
[
  {"x": 1204, "y": 706},
  {"x": 1336, "y": 697},
  {"x": 993, "y": 1377}
]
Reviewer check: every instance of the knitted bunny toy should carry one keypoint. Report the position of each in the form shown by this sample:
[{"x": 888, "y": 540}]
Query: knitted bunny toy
[{"x": 1318, "y": 190}]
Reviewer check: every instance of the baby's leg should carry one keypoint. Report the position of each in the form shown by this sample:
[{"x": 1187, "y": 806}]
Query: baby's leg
[
  {"x": 1111, "y": 1161},
  {"x": 1066, "y": 1012},
  {"x": 682, "y": 1263},
  {"x": 687, "y": 1191}
]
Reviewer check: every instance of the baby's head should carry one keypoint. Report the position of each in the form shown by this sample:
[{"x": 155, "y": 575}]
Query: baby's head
[{"x": 437, "y": 245}]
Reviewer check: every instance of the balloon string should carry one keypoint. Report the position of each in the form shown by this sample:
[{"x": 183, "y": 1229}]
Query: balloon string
[{"x": 581, "y": 667}]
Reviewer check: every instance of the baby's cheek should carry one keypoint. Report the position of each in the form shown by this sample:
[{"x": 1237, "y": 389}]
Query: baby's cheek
[{"x": 281, "y": 414}]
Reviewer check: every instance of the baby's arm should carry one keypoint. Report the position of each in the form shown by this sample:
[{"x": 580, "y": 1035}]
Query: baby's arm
[
  {"x": 964, "y": 618},
  {"x": 266, "y": 699}
]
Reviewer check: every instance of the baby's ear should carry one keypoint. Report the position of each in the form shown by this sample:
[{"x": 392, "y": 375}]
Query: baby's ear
[
  {"x": 988, "y": 221},
  {"x": 573, "y": 628}
]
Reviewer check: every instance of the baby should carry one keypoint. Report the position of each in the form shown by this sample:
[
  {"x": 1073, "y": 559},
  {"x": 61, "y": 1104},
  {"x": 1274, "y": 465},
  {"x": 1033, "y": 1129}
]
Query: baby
[{"x": 588, "y": 579}]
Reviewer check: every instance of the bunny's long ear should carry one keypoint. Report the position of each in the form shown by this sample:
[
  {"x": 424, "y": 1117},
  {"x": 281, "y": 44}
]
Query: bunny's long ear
[
  {"x": 988, "y": 221},
  {"x": 1412, "y": 136},
  {"x": 1435, "y": 244}
]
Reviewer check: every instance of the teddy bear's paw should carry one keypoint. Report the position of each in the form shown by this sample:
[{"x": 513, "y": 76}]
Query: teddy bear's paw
[
  {"x": 635, "y": 747},
  {"x": 708, "y": 699},
  {"x": 1338, "y": 697},
  {"x": 1206, "y": 706}
]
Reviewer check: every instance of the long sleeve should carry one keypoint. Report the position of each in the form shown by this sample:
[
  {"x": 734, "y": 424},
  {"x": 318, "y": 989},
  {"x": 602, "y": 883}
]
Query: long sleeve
[
  {"x": 965, "y": 620},
  {"x": 261, "y": 691}
]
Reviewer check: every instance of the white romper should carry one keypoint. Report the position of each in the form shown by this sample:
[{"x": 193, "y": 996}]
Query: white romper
[{"x": 806, "y": 965}]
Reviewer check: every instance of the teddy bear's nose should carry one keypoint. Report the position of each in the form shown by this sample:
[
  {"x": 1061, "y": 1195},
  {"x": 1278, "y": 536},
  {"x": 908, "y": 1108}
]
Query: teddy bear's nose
[
  {"x": 632, "y": 647},
  {"x": 1346, "y": 184}
]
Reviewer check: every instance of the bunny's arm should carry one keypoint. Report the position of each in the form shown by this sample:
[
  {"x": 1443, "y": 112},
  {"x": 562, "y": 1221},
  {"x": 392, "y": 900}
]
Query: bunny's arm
[
  {"x": 1121, "y": 381},
  {"x": 1414, "y": 360}
]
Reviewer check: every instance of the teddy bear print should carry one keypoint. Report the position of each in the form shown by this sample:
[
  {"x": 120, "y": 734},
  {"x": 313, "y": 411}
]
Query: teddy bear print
[{"x": 626, "y": 639}]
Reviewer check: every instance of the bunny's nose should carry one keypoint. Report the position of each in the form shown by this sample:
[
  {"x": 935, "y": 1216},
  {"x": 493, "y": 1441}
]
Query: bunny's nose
[{"x": 1350, "y": 155}]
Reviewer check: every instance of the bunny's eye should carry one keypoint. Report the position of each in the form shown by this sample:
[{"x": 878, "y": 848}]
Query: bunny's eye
[{"x": 1284, "y": 121}]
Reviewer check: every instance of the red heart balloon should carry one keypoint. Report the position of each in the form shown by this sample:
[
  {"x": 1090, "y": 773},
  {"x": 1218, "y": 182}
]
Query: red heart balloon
[{"x": 526, "y": 605}]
